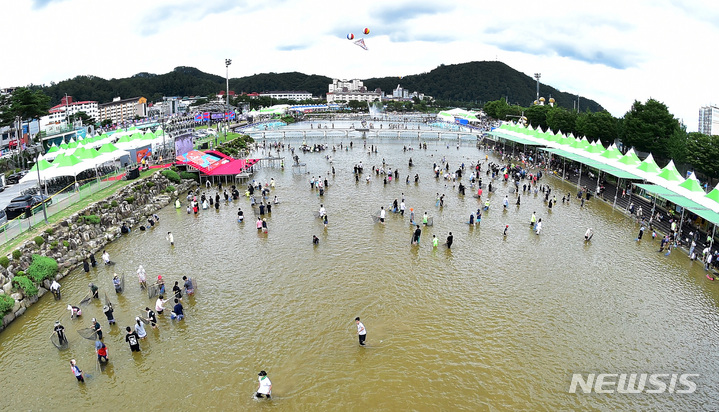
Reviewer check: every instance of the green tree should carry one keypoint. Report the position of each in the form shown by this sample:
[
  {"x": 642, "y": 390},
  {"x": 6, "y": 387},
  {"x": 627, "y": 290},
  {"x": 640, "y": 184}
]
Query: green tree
[
  {"x": 537, "y": 116},
  {"x": 559, "y": 118},
  {"x": 702, "y": 153},
  {"x": 500, "y": 110},
  {"x": 84, "y": 117},
  {"x": 24, "y": 103},
  {"x": 356, "y": 105},
  {"x": 649, "y": 127},
  {"x": 600, "y": 125}
]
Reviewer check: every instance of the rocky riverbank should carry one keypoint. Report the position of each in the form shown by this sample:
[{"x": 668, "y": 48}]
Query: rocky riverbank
[{"x": 85, "y": 232}]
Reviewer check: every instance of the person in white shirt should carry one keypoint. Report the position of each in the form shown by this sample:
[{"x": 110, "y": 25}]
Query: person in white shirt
[
  {"x": 381, "y": 215},
  {"x": 106, "y": 257},
  {"x": 361, "y": 331},
  {"x": 265, "y": 387},
  {"x": 55, "y": 289},
  {"x": 401, "y": 207},
  {"x": 322, "y": 210},
  {"x": 170, "y": 238},
  {"x": 160, "y": 304}
]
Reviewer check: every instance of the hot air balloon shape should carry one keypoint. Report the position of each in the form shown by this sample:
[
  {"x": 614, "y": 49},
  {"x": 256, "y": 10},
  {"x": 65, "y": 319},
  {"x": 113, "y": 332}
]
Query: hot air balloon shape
[
  {"x": 366, "y": 30},
  {"x": 350, "y": 36}
]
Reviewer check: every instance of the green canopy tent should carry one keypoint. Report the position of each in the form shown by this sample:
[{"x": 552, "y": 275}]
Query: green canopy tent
[
  {"x": 611, "y": 153},
  {"x": 670, "y": 173},
  {"x": 630, "y": 159},
  {"x": 595, "y": 148},
  {"x": 692, "y": 184},
  {"x": 648, "y": 165},
  {"x": 32, "y": 174},
  {"x": 714, "y": 194}
]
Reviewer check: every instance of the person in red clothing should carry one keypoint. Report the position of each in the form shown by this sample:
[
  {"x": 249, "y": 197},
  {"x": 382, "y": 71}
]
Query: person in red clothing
[{"x": 101, "y": 351}]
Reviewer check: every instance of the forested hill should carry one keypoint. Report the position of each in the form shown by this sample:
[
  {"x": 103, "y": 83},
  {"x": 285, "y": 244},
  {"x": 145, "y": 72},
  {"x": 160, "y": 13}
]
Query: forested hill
[
  {"x": 473, "y": 83},
  {"x": 481, "y": 82}
]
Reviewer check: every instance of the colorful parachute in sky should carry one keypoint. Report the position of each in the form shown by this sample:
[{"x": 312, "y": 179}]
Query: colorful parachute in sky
[
  {"x": 360, "y": 43},
  {"x": 350, "y": 36},
  {"x": 366, "y": 30}
]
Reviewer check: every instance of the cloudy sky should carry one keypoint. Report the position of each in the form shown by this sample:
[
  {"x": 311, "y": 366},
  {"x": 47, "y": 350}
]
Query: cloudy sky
[{"x": 614, "y": 52}]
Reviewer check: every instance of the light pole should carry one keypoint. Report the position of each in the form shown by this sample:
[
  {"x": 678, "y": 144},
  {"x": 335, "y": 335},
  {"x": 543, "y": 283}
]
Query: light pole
[
  {"x": 537, "y": 76},
  {"x": 39, "y": 186},
  {"x": 228, "y": 62}
]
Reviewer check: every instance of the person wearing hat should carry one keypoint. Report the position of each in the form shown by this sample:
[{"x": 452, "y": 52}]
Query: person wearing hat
[
  {"x": 76, "y": 371},
  {"x": 411, "y": 215},
  {"x": 60, "y": 330},
  {"x": 101, "y": 351},
  {"x": 361, "y": 331},
  {"x": 161, "y": 285},
  {"x": 97, "y": 327},
  {"x": 265, "y": 387},
  {"x": 107, "y": 309}
]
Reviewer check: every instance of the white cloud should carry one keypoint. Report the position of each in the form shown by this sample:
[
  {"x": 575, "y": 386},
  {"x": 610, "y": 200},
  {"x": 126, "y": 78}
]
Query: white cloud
[{"x": 613, "y": 52}]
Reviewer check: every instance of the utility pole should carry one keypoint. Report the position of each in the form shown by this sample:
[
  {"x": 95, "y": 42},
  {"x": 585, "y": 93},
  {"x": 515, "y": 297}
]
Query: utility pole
[
  {"x": 537, "y": 76},
  {"x": 228, "y": 62}
]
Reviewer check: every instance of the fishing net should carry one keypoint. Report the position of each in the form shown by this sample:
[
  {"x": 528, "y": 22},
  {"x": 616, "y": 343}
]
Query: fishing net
[
  {"x": 153, "y": 290},
  {"x": 144, "y": 320},
  {"x": 88, "y": 333},
  {"x": 55, "y": 339},
  {"x": 107, "y": 301},
  {"x": 86, "y": 300}
]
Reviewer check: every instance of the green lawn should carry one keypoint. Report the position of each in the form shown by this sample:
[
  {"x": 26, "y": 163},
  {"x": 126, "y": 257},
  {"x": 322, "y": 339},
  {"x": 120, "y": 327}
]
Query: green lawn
[{"x": 65, "y": 213}]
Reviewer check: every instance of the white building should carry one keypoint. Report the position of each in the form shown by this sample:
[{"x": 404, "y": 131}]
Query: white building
[
  {"x": 58, "y": 114},
  {"x": 347, "y": 90},
  {"x": 709, "y": 120},
  {"x": 120, "y": 110},
  {"x": 288, "y": 95}
]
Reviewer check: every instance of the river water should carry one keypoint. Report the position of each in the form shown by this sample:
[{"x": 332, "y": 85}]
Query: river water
[{"x": 497, "y": 323}]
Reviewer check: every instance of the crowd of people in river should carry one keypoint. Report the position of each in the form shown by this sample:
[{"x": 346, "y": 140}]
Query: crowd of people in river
[
  {"x": 520, "y": 176},
  {"x": 136, "y": 332}
]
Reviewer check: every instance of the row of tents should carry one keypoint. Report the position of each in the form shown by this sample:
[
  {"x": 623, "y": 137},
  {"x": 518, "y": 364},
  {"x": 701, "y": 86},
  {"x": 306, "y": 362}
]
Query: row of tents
[
  {"x": 76, "y": 156},
  {"x": 612, "y": 161}
]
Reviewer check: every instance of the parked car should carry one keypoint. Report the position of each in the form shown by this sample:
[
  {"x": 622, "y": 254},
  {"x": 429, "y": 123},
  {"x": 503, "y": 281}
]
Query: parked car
[
  {"x": 15, "y": 177},
  {"x": 3, "y": 219},
  {"x": 22, "y": 204}
]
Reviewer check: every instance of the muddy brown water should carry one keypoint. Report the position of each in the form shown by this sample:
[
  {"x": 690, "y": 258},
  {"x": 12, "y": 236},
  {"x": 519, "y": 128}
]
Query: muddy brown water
[{"x": 494, "y": 324}]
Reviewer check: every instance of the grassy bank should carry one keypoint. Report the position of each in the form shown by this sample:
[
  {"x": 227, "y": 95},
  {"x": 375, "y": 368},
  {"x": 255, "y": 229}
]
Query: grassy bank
[{"x": 8, "y": 247}]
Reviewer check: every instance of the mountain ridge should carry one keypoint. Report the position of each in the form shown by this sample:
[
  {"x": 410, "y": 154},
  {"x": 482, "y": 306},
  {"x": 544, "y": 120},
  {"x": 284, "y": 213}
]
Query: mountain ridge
[{"x": 468, "y": 84}]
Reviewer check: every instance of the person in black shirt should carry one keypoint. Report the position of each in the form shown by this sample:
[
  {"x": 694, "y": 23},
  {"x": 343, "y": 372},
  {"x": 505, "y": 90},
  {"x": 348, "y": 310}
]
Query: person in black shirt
[
  {"x": 176, "y": 289},
  {"x": 132, "y": 339},
  {"x": 60, "y": 330},
  {"x": 450, "y": 239},
  {"x": 151, "y": 317},
  {"x": 107, "y": 309}
]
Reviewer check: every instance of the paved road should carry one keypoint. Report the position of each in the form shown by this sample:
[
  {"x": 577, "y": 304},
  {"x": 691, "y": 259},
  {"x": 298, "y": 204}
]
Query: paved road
[{"x": 13, "y": 191}]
